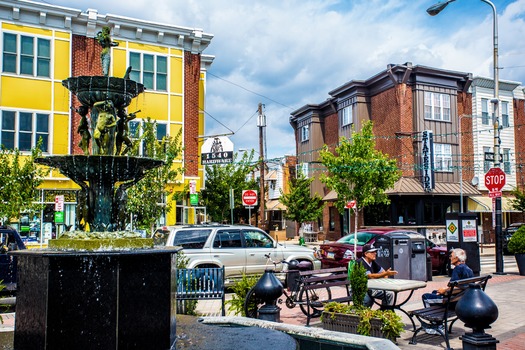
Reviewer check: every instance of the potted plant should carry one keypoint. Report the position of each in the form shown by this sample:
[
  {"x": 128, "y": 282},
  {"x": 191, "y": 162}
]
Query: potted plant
[
  {"x": 357, "y": 318},
  {"x": 516, "y": 246}
]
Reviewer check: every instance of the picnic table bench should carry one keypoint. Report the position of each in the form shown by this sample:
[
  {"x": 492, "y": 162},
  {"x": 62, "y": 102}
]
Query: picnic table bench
[
  {"x": 440, "y": 318},
  {"x": 323, "y": 278},
  {"x": 200, "y": 283}
]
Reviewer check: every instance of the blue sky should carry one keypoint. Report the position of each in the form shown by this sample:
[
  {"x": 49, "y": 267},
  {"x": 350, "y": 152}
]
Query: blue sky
[{"x": 288, "y": 53}]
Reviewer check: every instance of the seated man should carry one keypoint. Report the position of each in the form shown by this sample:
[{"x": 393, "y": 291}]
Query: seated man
[
  {"x": 374, "y": 270},
  {"x": 461, "y": 271}
]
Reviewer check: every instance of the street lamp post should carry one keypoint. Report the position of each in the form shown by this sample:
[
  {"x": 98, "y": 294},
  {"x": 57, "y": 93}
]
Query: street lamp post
[{"x": 434, "y": 10}]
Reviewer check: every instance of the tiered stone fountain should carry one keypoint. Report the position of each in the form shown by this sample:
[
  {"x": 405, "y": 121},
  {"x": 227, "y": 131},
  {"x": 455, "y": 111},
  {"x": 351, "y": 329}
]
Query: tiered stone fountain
[{"x": 83, "y": 293}]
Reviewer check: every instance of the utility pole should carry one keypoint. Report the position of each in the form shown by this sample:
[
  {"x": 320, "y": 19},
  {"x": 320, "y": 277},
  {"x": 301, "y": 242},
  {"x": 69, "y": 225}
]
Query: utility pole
[
  {"x": 497, "y": 139},
  {"x": 261, "y": 123}
]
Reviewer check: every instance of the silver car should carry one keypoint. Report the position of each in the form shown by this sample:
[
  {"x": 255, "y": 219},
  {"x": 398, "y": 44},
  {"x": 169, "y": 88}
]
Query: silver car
[{"x": 241, "y": 249}]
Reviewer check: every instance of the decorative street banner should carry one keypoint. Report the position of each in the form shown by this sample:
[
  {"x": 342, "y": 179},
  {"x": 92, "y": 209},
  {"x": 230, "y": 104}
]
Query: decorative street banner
[
  {"x": 427, "y": 161},
  {"x": 217, "y": 150}
]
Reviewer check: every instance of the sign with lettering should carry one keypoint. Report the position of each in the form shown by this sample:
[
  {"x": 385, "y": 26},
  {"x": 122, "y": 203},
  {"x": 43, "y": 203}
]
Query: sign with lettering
[
  {"x": 217, "y": 150},
  {"x": 470, "y": 233},
  {"x": 427, "y": 161}
]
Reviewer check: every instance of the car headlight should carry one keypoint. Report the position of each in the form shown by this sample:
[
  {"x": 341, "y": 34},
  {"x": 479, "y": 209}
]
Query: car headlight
[{"x": 348, "y": 254}]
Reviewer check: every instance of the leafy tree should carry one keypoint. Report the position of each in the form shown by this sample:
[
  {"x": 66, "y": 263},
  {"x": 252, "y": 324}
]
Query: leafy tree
[
  {"x": 300, "y": 206},
  {"x": 20, "y": 177},
  {"x": 518, "y": 203},
  {"x": 144, "y": 197},
  {"x": 357, "y": 171},
  {"x": 220, "y": 178}
]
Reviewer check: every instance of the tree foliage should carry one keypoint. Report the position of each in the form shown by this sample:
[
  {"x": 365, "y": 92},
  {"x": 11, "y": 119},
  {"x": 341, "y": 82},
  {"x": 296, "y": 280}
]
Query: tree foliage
[
  {"x": 300, "y": 206},
  {"x": 20, "y": 177},
  {"x": 518, "y": 203},
  {"x": 150, "y": 198},
  {"x": 220, "y": 178},
  {"x": 357, "y": 171}
]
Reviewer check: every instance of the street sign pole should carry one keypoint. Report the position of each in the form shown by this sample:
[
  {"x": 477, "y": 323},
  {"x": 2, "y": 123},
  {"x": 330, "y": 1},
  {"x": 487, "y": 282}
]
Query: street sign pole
[{"x": 495, "y": 180}]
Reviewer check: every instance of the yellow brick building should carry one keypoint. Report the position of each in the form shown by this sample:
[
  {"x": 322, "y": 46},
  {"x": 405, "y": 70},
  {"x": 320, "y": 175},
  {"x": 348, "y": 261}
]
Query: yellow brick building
[{"x": 43, "y": 44}]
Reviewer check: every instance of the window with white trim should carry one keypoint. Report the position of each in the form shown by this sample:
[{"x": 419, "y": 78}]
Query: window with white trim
[
  {"x": 302, "y": 168},
  {"x": 504, "y": 114},
  {"x": 437, "y": 106},
  {"x": 346, "y": 116},
  {"x": 506, "y": 160},
  {"x": 485, "y": 119},
  {"x": 150, "y": 70},
  {"x": 136, "y": 130},
  {"x": 442, "y": 157},
  {"x": 26, "y": 55},
  {"x": 305, "y": 133},
  {"x": 22, "y": 130}
]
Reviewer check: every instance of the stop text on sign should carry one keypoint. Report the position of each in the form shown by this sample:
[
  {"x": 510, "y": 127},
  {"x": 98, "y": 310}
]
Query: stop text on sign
[{"x": 495, "y": 179}]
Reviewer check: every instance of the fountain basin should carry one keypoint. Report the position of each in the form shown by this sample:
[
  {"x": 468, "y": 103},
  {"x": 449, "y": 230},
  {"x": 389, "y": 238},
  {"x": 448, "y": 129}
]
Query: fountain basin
[
  {"x": 96, "y": 300},
  {"x": 108, "y": 169},
  {"x": 91, "y": 89},
  {"x": 100, "y": 244}
]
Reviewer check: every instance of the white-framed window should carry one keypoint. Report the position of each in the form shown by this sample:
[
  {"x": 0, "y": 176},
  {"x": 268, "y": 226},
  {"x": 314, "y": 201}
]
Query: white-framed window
[
  {"x": 150, "y": 70},
  {"x": 506, "y": 160},
  {"x": 505, "y": 114},
  {"x": 437, "y": 106},
  {"x": 485, "y": 119},
  {"x": 305, "y": 133},
  {"x": 136, "y": 131},
  {"x": 347, "y": 116},
  {"x": 486, "y": 163},
  {"x": 22, "y": 130},
  {"x": 302, "y": 168},
  {"x": 442, "y": 157},
  {"x": 26, "y": 55}
]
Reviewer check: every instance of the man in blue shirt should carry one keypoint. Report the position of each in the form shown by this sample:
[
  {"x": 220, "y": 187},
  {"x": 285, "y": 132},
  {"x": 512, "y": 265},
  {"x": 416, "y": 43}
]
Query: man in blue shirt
[{"x": 458, "y": 257}]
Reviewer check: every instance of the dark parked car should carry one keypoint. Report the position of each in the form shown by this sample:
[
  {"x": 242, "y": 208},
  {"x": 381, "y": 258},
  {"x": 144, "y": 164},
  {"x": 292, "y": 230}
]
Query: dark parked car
[
  {"x": 339, "y": 253},
  {"x": 509, "y": 231},
  {"x": 9, "y": 240}
]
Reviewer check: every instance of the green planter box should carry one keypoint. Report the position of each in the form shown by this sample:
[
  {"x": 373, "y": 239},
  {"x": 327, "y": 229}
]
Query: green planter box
[{"x": 348, "y": 324}]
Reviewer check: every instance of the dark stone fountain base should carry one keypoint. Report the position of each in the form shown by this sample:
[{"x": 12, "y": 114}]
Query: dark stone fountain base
[{"x": 96, "y": 300}]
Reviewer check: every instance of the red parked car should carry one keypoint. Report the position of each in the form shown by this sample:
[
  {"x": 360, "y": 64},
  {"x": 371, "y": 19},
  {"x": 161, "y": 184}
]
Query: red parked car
[{"x": 339, "y": 253}]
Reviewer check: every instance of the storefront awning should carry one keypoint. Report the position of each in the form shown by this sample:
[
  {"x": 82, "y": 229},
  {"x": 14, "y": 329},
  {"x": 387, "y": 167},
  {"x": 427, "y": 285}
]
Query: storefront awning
[
  {"x": 481, "y": 204},
  {"x": 331, "y": 196},
  {"x": 274, "y": 204},
  {"x": 413, "y": 186}
]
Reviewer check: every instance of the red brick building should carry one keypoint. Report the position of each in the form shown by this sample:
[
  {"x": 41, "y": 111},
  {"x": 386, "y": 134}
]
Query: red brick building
[{"x": 402, "y": 101}]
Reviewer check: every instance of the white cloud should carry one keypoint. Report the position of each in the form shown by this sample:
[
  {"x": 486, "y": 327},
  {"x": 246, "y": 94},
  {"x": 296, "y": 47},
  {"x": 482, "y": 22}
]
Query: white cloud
[{"x": 286, "y": 54}]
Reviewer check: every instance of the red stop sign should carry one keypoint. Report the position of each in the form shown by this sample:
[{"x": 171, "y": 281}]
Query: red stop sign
[
  {"x": 249, "y": 198},
  {"x": 495, "y": 179}
]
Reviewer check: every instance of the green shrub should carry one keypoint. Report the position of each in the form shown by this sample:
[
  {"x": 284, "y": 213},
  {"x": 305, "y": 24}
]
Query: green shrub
[
  {"x": 358, "y": 284},
  {"x": 240, "y": 288},
  {"x": 517, "y": 241},
  {"x": 391, "y": 323}
]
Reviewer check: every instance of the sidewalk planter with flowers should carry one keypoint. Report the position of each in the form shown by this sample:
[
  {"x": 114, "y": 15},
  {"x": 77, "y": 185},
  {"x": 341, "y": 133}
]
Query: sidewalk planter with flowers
[
  {"x": 517, "y": 247},
  {"x": 362, "y": 320},
  {"x": 357, "y": 318}
]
